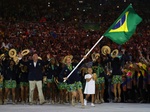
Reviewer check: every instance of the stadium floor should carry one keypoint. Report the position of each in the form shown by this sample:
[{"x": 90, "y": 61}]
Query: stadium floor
[{"x": 105, "y": 107}]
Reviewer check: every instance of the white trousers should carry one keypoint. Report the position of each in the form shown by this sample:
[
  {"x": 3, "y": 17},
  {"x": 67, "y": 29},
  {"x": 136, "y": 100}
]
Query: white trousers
[{"x": 31, "y": 91}]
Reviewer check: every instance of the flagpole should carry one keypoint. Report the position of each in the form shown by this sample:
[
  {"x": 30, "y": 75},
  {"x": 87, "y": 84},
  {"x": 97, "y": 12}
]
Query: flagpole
[{"x": 84, "y": 57}]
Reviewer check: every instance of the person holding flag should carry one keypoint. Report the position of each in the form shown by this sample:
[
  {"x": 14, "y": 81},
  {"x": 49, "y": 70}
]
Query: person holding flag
[{"x": 74, "y": 84}]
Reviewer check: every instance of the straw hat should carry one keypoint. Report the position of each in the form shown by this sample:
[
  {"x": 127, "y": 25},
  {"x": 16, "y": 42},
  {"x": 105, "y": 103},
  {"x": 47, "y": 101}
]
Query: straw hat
[
  {"x": 97, "y": 55},
  {"x": 114, "y": 53},
  {"x": 68, "y": 56},
  {"x": 12, "y": 53},
  {"x": 105, "y": 49},
  {"x": 2, "y": 56},
  {"x": 25, "y": 52},
  {"x": 39, "y": 58},
  {"x": 86, "y": 51}
]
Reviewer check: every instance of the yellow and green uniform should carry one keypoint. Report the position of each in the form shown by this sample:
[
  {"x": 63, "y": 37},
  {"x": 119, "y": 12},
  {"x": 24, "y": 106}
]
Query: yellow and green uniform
[
  {"x": 73, "y": 82},
  {"x": 10, "y": 84},
  {"x": 10, "y": 77},
  {"x": 99, "y": 70}
]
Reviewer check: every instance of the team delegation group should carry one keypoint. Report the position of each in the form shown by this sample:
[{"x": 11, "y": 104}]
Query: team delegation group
[{"x": 37, "y": 81}]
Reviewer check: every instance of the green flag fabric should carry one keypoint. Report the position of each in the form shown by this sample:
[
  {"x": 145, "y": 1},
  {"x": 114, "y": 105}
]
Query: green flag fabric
[{"x": 124, "y": 27}]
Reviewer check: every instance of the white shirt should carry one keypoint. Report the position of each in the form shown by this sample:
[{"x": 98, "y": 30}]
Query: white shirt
[{"x": 34, "y": 64}]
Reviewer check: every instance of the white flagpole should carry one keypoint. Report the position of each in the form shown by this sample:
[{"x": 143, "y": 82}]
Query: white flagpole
[{"x": 84, "y": 56}]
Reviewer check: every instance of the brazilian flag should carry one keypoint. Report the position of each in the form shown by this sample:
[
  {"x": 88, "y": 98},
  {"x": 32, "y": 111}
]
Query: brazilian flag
[{"x": 124, "y": 27}]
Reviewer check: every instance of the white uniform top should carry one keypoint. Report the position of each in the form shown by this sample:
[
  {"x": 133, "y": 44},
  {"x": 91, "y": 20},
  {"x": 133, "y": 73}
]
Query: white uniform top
[{"x": 89, "y": 86}]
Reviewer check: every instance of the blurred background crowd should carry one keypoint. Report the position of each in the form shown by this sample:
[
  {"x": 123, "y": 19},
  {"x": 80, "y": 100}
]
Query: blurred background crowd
[{"x": 64, "y": 27}]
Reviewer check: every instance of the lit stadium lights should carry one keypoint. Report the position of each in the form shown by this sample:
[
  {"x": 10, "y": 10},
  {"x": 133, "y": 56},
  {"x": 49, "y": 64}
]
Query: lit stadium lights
[
  {"x": 100, "y": 4},
  {"x": 99, "y": 14},
  {"x": 80, "y": 1},
  {"x": 63, "y": 18},
  {"x": 83, "y": 10},
  {"x": 124, "y": 0},
  {"x": 49, "y": 4},
  {"x": 77, "y": 8},
  {"x": 118, "y": 6},
  {"x": 75, "y": 19}
]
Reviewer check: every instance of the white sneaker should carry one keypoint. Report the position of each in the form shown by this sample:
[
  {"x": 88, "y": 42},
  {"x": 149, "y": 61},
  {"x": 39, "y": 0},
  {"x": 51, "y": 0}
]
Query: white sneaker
[
  {"x": 85, "y": 102},
  {"x": 102, "y": 100},
  {"x": 92, "y": 104}
]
